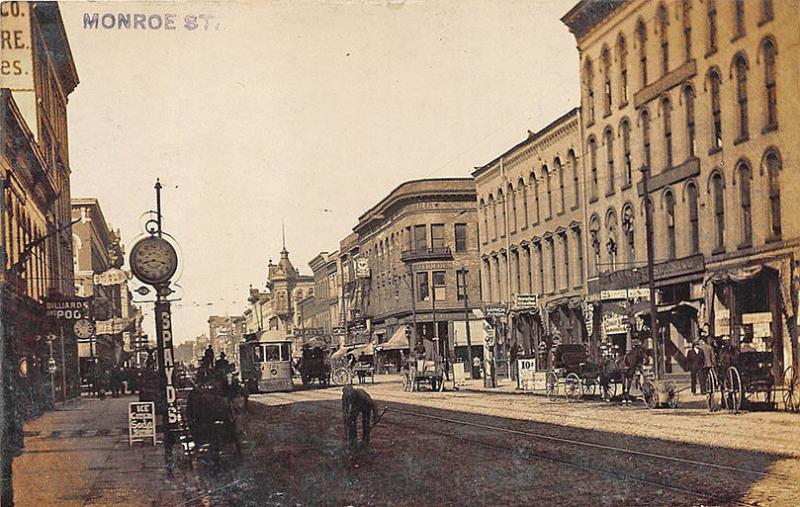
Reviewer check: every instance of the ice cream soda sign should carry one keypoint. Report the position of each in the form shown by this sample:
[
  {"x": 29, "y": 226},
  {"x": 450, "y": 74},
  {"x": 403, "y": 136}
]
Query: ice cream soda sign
[{"x": 141, "y": 422}]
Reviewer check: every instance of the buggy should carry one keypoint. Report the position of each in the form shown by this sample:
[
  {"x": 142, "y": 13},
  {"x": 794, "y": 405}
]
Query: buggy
[{"x": 570, "y": 367}]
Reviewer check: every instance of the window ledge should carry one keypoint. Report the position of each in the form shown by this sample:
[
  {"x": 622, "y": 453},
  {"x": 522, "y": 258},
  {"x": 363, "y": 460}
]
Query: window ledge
[
  {"x": 610, "y": 193},
  {"x": 718, "y": 250},
  {"x": 626, "y": 186},
  {"x": 710, "y": 52},
  {"x": 593, "y": 200},
  {"x": 606, "y": 114},
  {"x": 548, "y": 218},
  {"x": 769, "y": 128},
  {"x": 714, "y": 150},
  {"x": 745, "y": 245},
  {"x": 524, "y": 228},
  {"x": 560, "y": 213},
  {"x": 623, "y": 104},
  {"x": 737, "y": 37},
  {"x": 741, "y": 139},
  {"x": 589, "y": 123},
  {"x": 772, "y": 238},
  {"x": 575, "y": 208},
  {"x": 764, "y": 21}
]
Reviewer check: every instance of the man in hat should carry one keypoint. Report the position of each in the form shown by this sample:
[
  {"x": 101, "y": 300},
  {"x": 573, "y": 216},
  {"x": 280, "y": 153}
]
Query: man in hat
[
  {"x": 357, "y": 402},
  {"x": 694, "y": 362}
]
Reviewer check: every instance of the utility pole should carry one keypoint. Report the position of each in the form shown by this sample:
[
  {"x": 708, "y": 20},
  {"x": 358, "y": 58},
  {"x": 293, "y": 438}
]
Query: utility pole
[
  {"x": 648, "y": 222},
  {"x": 464, "y": 272}
]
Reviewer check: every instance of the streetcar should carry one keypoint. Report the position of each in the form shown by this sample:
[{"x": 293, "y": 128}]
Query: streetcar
[{"x": 266, "y": 365}]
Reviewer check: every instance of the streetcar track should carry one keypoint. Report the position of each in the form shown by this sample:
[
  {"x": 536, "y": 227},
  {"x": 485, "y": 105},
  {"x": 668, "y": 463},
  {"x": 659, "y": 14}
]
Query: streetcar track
[
  {"x": 537, "y": 456},
  {"x": 583, "y": 443}
]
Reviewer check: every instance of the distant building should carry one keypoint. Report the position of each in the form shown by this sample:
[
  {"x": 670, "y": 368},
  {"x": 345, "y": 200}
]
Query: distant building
[{"x": 225, "y": 334}]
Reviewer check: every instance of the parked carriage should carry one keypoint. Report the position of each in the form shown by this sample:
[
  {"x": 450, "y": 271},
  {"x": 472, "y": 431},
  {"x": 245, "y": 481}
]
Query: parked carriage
[
  {"x": 572, "y": 369},
  {"x": 421, "y": 372},
  {"x": 741, "y": 378},
  {"x": 314, "y": 364}
]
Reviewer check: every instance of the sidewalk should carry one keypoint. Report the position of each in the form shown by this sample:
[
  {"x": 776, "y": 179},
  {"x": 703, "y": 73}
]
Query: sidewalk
[{"x": 78, "y": 454}]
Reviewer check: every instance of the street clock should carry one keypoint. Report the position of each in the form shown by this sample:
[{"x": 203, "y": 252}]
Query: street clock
[
  {"x": 83, "y": 328},
  {"x": 153, "y": 260}
]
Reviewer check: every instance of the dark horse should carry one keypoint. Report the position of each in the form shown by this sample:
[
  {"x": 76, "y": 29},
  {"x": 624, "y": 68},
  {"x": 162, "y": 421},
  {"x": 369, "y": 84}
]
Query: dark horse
[
  {"x": 621, "y": 369},
  {"x": 211, "y": 417}
]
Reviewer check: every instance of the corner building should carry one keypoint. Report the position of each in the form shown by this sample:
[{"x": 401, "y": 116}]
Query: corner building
[
  {"x": 530, "y": 206},
  {"x": 702, "y": 94},
  {"x": 421, "y": 245}
]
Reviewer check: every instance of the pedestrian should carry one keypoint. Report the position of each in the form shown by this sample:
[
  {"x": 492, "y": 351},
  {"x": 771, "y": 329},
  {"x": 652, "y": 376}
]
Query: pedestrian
[
  {"x": 357, "y": 402},
  {"x": 694, "y": 361},
  {"x": 476, "y": 367},
  {"x": 708, "y": 362}
]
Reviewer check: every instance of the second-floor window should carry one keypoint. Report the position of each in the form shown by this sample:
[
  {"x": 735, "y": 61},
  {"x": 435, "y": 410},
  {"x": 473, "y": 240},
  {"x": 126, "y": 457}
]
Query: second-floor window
[
  {"x": 437, "y": 235},
  {"x": 461, "y": 284},
  {"x": 646, "y": 137},
  {"x": 439, "y": 285},
  {"x": 666, "y": 113},
  {"x": 420, "y": 238},
  {"x": 626, "y": 153},
  {"x": 461, "y": 237},
  {"x": 688, "y": 100},
  {"x": 593, "y": 163},
  {"x": 609, "y": 140}
]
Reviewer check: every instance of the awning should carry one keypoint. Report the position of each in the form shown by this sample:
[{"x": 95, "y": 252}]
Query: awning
[
  {"x": 398, "y": 341},
  {"x": 690, "y": 306}
]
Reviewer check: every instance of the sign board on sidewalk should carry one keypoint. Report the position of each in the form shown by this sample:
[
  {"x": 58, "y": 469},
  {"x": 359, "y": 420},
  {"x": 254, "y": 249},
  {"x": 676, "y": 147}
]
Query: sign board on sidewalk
[
  {"x": 141, "y": 421},
  {"x": 525, "y": 369},
  {"x": 459, "y": 377}
]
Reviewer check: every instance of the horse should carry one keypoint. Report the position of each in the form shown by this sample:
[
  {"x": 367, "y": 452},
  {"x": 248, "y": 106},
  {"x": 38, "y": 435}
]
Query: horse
[
  {"x": 211, "y": 416},
  {"x": 621, "y": 369}
]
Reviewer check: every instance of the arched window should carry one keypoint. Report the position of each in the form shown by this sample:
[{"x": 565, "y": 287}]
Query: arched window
[
  {"x": 612, "y": 244},
  {"x": 694, "y": 218},
  {"x": 573, "y": 163},
  {"x": 738, "y": 17},
  {"x": 688, "y": 101},
  {"x": 537, "y": 208},
  {"x": 589, "y": 78},
  {"x": 740, "y": 65},
  {"x": 493, "y": 204},
  {"x": 746, "y": 204},
  {"x": 609, "y": 140},
  {"x": 669, "y": 208},
  {"x": 770, "y": 83},
  {"x": 711, "y": 14},
  {"x": 646, "y": 137},
  {"x": 622, "y": 50},
  {"x": 594, "y": 231},
  {"x": 686, "y": 7},
  {"x": 716, "y": 113},
  {"x": 560, "y": 172},
  {"x": 524, "y": 189},
  {"x": 593, "y": 164},
  {"x": 773, "y": 165},
  {"x": 628, "y": 222},
  {"x": 641, "y": 32},
  {"x": 513, "y": 196},
  {"x": 766, "y": 10},
  {"x": 485, "y": 210},
  {"x": 549, "y": 186},
  {"x": 502, "y": 203},
  {"x": 627, "y": 168},
  {"x": 718, "y": 193},
  {"x": 605, "y": 58},
  {"x": 663, "y": 23},
  {"x": 666, "y": 114}
]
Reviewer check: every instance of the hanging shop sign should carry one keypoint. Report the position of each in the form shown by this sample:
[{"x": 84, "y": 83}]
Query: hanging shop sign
[
  {"x": 722, "y": 322},
  {"x": 637, "y": 293},
  {"x": 309, "y": 331},
  {"x": 141, "y": 421},
  {"x": 115, "y": 325},
  {"x": 113, "y": 276},
  {"x": 362, "y": 266},
  {"x": 64, "y": 309},
  {"x": 757, "y": 318},
  {"x": 526, "y": 301},
  {"x": 495, "y": 311},
  {"x": 614, "y": 323}
]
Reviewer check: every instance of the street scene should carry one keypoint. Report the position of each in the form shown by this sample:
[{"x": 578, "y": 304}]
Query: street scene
[{"x": 399, "y": 253}]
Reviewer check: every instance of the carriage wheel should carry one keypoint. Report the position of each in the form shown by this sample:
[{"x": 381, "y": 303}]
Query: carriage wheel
[
  {"x": 437, "y": 384},
  {"x": 341, "y": 377},
  {"x": 712, "y": 387},
  {"x": 609, "y": 392},
  {"x": 791, "y": 395},
  {"x": 650, "y": 394},
  {"x": 552, "y": 386},
  {"x": 734, "y": 388},
  {"x": 574, "y": 386},
  {"x": 590, "y": 389}
]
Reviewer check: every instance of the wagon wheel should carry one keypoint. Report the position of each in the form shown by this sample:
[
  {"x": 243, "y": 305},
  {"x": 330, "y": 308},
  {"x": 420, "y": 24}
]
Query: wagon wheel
[
  {"x": 734, "y": 389},
  {"x": 341, "y": 377},
  {"x": 712, "y": 388},
  {"x": 574, "y": 386},
  {"x": 552, "y": 386},
  {"x": 610, "y": 392},
  {"x": 650, "y": 394},
  {"x": 437, "y": 384},
  {"x": 791, "y": 395}
]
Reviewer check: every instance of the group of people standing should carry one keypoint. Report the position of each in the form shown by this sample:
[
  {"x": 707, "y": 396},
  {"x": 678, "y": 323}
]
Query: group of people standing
[{"x": 700, "y": 359}]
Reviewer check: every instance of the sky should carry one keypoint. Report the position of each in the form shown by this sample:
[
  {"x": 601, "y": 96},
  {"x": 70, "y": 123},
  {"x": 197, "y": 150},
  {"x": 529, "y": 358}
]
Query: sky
[{"x": 302, "y": 112}]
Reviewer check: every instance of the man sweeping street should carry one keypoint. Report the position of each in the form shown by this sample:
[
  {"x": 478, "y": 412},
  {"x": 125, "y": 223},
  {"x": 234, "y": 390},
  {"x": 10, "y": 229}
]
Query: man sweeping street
[{"x": 357, "y": 402}]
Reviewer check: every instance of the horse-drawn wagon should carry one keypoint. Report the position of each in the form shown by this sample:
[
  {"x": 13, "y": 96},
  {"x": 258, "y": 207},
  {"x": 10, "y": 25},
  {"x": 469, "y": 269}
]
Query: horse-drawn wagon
[
  {"x": 740, "y": 377},
  {"x": 571, "y": 372}
]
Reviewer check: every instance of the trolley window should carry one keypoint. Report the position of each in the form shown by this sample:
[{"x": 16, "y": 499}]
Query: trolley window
[{"x": 286, "y": 354}]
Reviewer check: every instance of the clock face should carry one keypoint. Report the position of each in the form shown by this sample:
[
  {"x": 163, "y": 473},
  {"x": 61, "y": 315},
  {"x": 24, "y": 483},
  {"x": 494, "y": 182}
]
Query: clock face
[
  {"x": 83, "y": 328},
  {"x": 154, "y": 260}
]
